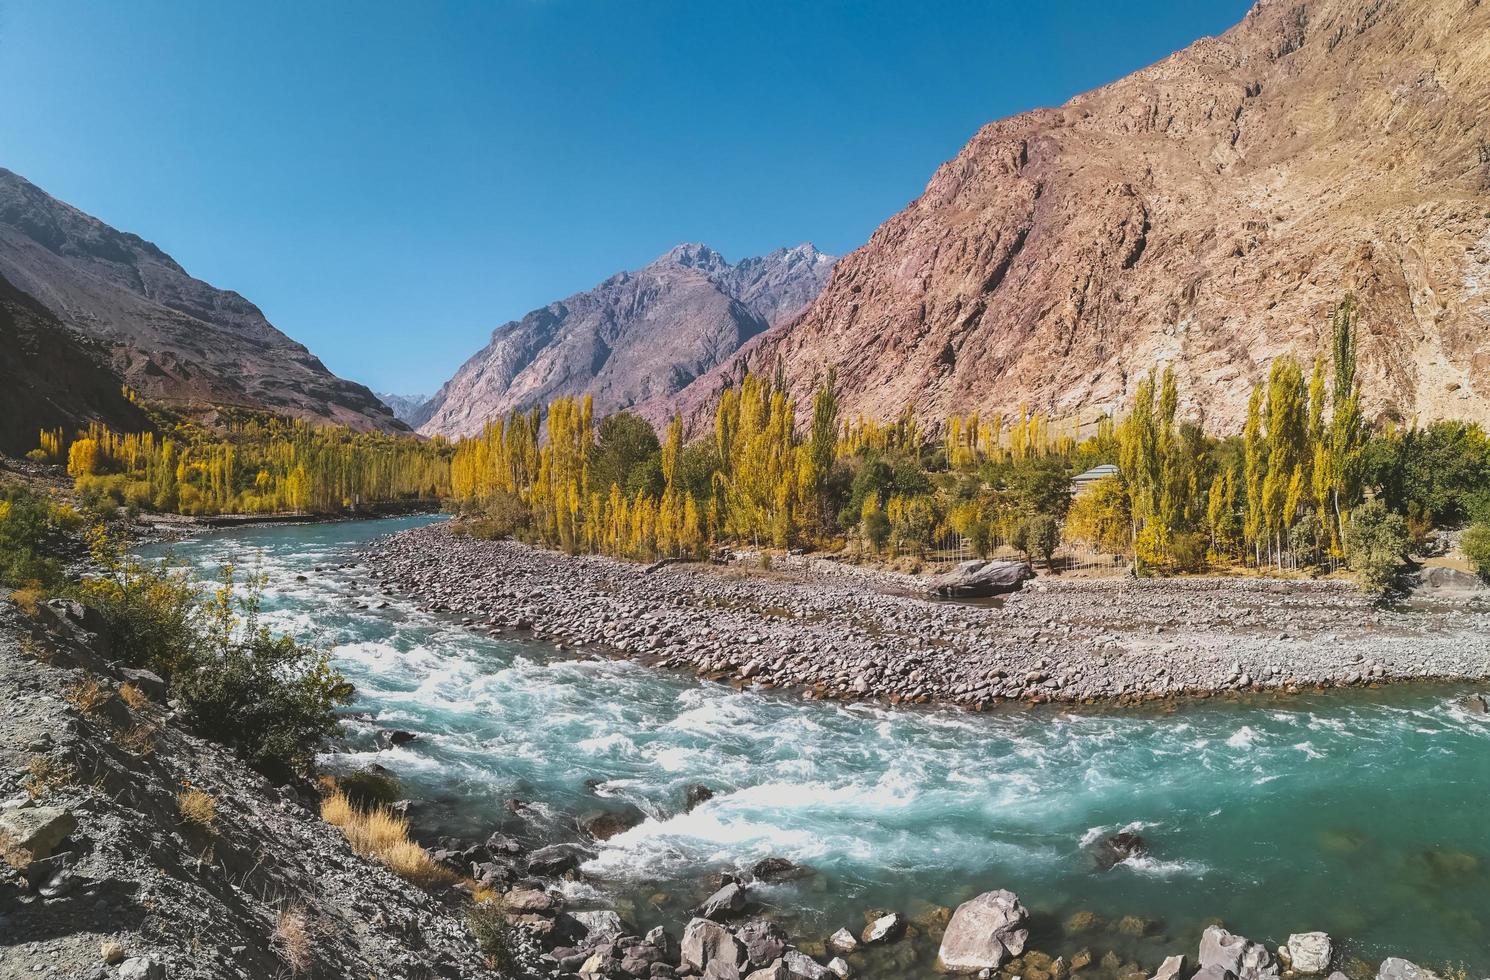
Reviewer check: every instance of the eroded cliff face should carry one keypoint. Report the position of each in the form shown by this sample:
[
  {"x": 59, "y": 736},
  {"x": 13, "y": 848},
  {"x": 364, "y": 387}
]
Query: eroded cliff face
[
  {"x": 637, "y": 336},
  {"x": 1205, "y": 212},
  {"x": 171, "y": 337}
]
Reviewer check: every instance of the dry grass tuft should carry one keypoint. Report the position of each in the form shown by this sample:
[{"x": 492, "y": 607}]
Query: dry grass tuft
[
  {"x": 293, "y": 939},
  {"x": 197, "y": 808},
  {"x": 88, "y": 695},
  {"x": 44, "y": 774},
  {"x": 139, "y": 739},
  {"x": 337, "y": 810},
  {"x": 133, "y": 696},
  {"x": 377, "y": 833},
  {"x": 27, "y": 598}
]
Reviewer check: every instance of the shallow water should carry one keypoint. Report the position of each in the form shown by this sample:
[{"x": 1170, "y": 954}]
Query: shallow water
[{"x": 1361, "y": 813}]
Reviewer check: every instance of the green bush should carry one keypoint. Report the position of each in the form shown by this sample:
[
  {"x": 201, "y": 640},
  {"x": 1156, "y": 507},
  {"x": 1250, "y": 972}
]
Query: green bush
[
  {"x": 1476, "y": 547},
  {"x": 31, "y": 527},
  {"x": 1041, "y": 535},
  {"x": 270, "y": 698},
  {"x": 1376, "y": 543}
]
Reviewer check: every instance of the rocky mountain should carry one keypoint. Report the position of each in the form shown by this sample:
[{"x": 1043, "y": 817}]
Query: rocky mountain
[
  {"x": 404, "y": 407},
  {"x": 175, "y": 339},
  {"x": 1205, "y": 212},
  {"x": 637, "y": 336},
  {"x": 52, "y": 378}
]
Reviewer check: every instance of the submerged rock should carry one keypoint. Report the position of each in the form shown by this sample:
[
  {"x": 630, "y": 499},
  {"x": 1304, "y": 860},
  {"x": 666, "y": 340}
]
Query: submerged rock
[
  {"x": 1170, "y": 969},
  {"x": 1394, "y": 968},
  {"x": 774, "y": 869},
  {"x": 1109, "y": 852},
  {"x": 984, "y": 932}
]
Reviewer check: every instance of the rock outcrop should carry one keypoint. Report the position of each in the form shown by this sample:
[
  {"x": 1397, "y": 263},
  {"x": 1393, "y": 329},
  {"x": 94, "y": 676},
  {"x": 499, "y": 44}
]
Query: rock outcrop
[
  {"x": 173, "y": 338},
  {"x": 637, "y": 336},
  {"x": 53, "y": 378},
  {"x": 1207, "y": 212}
]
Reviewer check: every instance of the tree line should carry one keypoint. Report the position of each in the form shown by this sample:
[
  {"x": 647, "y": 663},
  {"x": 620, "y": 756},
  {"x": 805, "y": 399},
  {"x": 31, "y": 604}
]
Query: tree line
[{"x": 254, "y": 464}]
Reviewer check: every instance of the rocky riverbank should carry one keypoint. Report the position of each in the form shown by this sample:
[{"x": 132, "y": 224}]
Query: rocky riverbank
[{"x": 834, "y": 632}]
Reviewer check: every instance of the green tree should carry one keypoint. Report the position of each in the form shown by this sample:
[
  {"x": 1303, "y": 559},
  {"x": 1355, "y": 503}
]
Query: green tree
[
  {"x": 1476, "y": 547},
  {"x": 1376, "y": 544},
  {"x": 623, "y": 442}
]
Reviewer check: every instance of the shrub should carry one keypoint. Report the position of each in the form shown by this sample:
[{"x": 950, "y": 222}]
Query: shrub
[
  {"x": 368, "y": 787},
  {"x": 151, "y": 609},
  {"x": 1189, "y": 551},
  {"x": 197, "y": 807},
  {"x": 503, "y": 943},
  {"x": 1375, "y": 544},
  {"x": 139, "y": 739},
  {"x": 1476, "y": 547},
  {"x": 31, "y": 531}
]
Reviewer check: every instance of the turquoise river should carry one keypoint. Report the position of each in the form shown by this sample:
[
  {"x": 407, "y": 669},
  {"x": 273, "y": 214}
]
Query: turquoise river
[{"x": 1361, "y": 814}]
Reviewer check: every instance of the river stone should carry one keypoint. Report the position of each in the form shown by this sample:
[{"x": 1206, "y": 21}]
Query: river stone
[
  {"x": 885, "y": 929},
  {"x": 838, "y": 966},
  {"x": 843, "y": 941},
  {"x": 141, "y": 968},
  {"x": 1214, "y": 972},
  {"x": 555, "y": 859},
  {"x": 601, "y": 925},
  {"x": 1237, "y": 954},
  {"x": 1170, "y": 969},
  {"x": 777, "y": 869},
  {"x": 1309, "y": 952},
  {"x": 727, "y": 901},
  {"x": 984, "y": 932},
  {"x": 802, "y": 965},
  {"x": 530, "y": 900},
  {"x": 1394, "y": 968},
  {"x": 763, "y": 940},
  {"x": 32, "y": 833},
  {"x": 705, "y": 941},
  {"x": 776, "y": 971}
]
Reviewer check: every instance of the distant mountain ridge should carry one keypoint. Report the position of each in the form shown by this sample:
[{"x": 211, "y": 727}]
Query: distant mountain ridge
[
  {"x": 173, "y": 338},
  {"x": 635, "y": 337},
  {"x": 404, "y": 407},
  {"x": 1206, "y": 212}
]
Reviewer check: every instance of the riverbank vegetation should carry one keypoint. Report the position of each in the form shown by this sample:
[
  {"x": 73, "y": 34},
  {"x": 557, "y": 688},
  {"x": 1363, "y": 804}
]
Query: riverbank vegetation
[
  {"x": 272, "y": 700},
  {"x": 249, "y": 463},
  {"x": 1279, "y": 494}
]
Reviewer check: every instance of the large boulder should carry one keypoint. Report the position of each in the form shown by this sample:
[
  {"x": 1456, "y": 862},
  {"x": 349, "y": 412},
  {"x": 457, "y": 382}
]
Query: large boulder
[
  {"x": 979, "y": 579},
  {"x": 1236, "y": 954},
  {"x": 1394, "y": 968},
  {"x": 984, "y": 932},
  {"x": 705, "y": 941},
  {"x": 32, "y": 833},
  {"x": 1308, "y": 952}
]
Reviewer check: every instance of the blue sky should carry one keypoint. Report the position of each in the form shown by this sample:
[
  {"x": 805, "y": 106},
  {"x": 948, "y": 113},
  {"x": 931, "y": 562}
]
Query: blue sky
[{"x": 389, "y": 181}]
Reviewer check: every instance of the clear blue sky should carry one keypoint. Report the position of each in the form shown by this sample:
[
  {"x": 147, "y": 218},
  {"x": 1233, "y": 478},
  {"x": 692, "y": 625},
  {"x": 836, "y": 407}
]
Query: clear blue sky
[{"x": 389, "y": 181}]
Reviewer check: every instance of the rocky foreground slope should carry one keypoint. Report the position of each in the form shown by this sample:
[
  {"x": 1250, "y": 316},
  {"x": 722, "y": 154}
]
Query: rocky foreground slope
[
  {"x": 637, "y": 336},
  {"x": 173, "y": 338},
  {"x": 1205, "y": 212}
]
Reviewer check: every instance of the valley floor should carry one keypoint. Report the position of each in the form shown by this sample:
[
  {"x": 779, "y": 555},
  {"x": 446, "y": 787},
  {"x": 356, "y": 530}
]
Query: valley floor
[{"x": 842, "y": 632}]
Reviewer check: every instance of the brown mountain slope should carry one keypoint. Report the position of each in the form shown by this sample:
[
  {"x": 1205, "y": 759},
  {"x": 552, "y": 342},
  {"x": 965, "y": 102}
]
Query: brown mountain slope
[
  {"x": 173, "y": 338},
  {"x": 51, "y": 378},
  {"x": 637, "y": 336},
  {"x": 1206, "y": 211}
]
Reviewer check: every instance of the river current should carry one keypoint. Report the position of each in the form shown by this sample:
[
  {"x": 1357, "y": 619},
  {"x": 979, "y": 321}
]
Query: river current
[{"x": 1359, "y": 813}]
